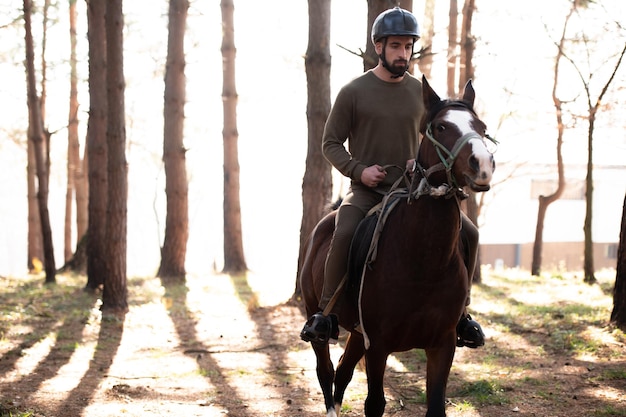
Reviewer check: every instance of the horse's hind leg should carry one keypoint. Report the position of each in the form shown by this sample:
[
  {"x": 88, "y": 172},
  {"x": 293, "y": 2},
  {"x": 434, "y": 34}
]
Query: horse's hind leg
[
  {"x": 325, "y": 375},
  {"x": 352, "y": 354},
  {"x": 375, "y": 362}
]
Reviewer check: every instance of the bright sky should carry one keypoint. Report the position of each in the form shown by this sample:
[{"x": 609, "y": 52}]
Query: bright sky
[{"x": 513, "y": 75}]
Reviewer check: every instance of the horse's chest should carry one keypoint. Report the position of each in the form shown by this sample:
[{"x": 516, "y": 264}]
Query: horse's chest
[
  {"x": 419, "y": 298},
  {"x": 417, "y": 315}
]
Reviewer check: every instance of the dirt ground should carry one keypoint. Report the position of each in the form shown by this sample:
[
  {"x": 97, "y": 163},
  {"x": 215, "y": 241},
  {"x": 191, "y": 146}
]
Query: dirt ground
[{"x": 223, "y": 346}]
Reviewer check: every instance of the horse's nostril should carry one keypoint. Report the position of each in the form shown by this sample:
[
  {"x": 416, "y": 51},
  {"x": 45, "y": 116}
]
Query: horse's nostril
[{"x": 473, "y": 163}]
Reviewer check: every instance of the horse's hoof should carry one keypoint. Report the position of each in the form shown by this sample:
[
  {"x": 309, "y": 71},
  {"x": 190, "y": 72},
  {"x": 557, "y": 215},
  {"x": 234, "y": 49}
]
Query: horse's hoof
[
  {"x": 469, "y": 333},
  {"x": 320, "y": 329}
]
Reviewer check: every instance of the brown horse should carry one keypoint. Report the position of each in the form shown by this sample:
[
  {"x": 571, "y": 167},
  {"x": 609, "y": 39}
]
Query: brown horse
[{"x": 413, "y": 294}]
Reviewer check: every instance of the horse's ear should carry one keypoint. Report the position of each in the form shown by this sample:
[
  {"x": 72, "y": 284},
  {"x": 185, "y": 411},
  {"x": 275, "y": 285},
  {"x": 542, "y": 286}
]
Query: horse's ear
[
  {"x": 469, "y": 94},
  {"x": 428, "y": 94}
]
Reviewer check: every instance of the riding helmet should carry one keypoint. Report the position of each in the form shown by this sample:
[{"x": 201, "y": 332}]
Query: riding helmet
[{"x": 395, "y": 22}]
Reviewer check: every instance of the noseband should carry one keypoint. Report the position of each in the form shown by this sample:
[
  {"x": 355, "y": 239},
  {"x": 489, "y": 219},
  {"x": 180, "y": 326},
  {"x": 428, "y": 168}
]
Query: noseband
[{"x": 447, "y": 157}]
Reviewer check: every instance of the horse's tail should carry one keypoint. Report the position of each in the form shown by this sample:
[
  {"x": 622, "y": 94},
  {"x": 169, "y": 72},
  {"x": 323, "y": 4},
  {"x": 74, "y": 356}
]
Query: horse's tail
[{"x": 335, "y": 204}]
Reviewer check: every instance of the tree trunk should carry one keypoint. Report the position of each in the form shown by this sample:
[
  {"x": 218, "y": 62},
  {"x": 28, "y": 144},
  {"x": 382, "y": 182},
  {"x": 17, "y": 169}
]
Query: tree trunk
[
  {"x": 234, "y": 260},
  {"x": 81, "y": 190},
  {"x": 78, "y": 262},
  {"x": 452, "y": 47},
  {"x": 545, "y": 201},
  {"x": 468, "y": 45},
  {"x": 535, "y": 268},
  {"x": 35, "y": 236},
  {"x": 80, "y": 180},
  {"x": 618, "y": 315},
  {"x": 75, "y": 258},
  {"x": 588, "y": 263},
  {"x": 428, "y": 33},
  {"x": 588, "y": 266},
  {"x": 374, "y": 8},
  {"x": 73, "y": 145},
  {"x": 408, "y": 5},
  {"x": 174, "y": 250},
  {"x": 37, "y": 137},
  {"x": 114, "y": 296},
  {"x": 317, "y": 182},
  {"x": 44, "y": 86},
  {"x": 35, "y": 243},
  {"x": 466, "y": 73},
  {"x": 589, "y": 269},
  {"x": 97, "y": 146},
  {"x": 44, "y": 68}
]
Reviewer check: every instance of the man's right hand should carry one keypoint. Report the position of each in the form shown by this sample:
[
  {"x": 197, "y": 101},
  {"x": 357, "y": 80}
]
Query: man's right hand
[{"x": 373, "y": 175}]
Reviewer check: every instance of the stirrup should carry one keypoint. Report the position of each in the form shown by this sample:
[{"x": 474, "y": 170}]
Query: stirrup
[
  {"x": 469, "y": 333},
  {"x": 321, "y": 329}
]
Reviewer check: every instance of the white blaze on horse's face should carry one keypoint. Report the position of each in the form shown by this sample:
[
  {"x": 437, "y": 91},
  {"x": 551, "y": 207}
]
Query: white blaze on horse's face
[{"x": 484, "y": 159}]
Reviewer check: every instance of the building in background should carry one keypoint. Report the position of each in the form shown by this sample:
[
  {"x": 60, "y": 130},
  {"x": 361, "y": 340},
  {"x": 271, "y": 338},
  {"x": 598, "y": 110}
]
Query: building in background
[{"x": 508, "y": 230}]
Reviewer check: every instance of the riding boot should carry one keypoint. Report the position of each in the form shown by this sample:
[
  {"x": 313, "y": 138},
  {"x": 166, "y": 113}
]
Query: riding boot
[
  {"x": 469, "y": 333},
  {"x": 319, "y": 327},
  {"x": 323, "y": 327}
]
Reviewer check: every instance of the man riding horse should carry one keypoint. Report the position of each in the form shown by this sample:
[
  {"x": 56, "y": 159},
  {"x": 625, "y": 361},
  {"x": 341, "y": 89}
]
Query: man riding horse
[{"x": 379, "y": 113}]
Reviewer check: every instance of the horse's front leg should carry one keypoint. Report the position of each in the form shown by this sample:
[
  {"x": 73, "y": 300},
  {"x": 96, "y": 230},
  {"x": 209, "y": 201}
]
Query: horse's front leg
[
  {"x": 325, "y": 375},
  {"x": 438, "y": 364},
  {"x": 375, "y": 363},
  {"x": 353, "y": 352}
]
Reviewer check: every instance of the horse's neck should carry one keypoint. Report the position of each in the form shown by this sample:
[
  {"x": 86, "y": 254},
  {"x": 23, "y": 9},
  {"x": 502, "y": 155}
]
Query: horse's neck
[
  {"x": 434, "y": 173},
  {"x": 434, "y": 216}
]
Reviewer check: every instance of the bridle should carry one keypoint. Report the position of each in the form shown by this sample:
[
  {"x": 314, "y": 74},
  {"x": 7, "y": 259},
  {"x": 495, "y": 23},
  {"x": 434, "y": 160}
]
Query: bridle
[{"x": 447, "y": 157}]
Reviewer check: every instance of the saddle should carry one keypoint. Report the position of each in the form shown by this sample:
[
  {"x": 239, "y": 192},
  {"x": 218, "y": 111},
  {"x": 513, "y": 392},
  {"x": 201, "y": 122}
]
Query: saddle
[{"x": 363, "y": 248}]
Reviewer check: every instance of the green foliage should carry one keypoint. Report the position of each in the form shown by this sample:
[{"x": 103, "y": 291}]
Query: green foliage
[
  {"x": 610, "y": 411},
  {"x": 484, "y": 392},
  {"x": 12, "y": 411},
  {"x": 613, "y": 374},
  {"x": 464, "y": 407}
]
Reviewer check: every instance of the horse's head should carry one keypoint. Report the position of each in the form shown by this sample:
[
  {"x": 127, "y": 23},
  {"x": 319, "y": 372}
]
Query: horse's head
[{"x": 454, "y": 145}]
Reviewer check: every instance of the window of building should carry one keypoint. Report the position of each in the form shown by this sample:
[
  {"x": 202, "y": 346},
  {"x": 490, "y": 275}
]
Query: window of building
[{"x": 611, "y": 251}]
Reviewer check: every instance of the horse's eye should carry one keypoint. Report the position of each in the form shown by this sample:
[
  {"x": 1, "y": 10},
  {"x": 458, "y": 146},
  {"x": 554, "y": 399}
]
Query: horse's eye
[{"x": 440, "y": 127}]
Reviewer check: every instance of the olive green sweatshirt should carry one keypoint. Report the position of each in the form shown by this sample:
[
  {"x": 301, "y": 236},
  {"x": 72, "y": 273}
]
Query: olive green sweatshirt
[{"x": 380, "y": 120}]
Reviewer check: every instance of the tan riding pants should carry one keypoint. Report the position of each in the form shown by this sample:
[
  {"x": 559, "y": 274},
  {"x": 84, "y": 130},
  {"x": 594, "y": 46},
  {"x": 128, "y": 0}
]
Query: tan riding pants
[{"x": 352, "y": 210}]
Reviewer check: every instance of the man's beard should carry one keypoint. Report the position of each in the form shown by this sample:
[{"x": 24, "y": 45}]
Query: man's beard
[{"x": 399, "y": 67}]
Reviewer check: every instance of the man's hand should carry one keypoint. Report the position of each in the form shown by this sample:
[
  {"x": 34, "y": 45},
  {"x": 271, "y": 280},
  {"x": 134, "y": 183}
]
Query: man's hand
[
  {"x": 373, "y": 175},
  {"x": 410, "y": 167}
]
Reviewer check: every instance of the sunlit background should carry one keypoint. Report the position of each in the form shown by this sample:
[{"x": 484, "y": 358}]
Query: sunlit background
[{"x": 514, "y": 75}]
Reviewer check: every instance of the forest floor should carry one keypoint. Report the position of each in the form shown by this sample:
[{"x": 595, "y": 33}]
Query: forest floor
[{"x": 229, "y": 346}]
